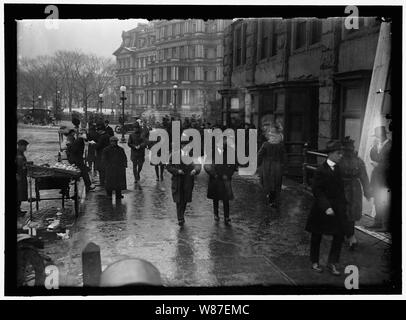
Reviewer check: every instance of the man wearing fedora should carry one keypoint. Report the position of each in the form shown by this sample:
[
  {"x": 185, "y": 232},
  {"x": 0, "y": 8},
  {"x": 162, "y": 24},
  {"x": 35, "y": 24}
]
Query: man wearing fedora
[
  {"x": 327, "y": 216},
  {"x": 380, "y": 184}
]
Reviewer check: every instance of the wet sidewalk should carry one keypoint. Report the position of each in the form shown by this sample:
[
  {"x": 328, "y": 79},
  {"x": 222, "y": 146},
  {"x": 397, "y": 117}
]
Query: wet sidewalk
[{"x": 263, "y": 246}]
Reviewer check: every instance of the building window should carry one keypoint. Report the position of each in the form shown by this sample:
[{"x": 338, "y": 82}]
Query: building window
[
  {"x": 182, "y": 52},
  {"x": 315, "y": 35},
  {"x": 264, "y": 39},
  {"x": 300, "y": 37}
]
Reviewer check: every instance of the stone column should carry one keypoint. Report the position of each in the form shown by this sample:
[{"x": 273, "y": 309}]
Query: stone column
[{"x": 328, "y": 102}]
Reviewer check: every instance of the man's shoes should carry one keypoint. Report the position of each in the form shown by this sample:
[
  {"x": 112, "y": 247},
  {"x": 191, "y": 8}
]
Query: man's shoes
[
  {"x": 316, "y": 268},
  {"x": 120, "y": 196},
  {"x": 88, "y": 189},
  {"x": 216, "y": 217},
  {"x": 181, "y": 222},
  {"x": 227, "y": 221},
  {"x": 333, "y": 269}
]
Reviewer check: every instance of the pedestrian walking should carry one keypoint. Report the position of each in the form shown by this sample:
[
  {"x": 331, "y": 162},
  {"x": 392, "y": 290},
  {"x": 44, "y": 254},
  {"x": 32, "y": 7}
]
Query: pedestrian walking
[
  {"x": 219, "y": 187},
  {"x": 137, "y": 143},
  {"x": 101, "y": 143},
  {"x": 159, "y": 167},
  {"x": 380, "y": 155},
  {"x": 271, "y": 160},
  {"x": 21, "y": 175},
  {"x": 183, "y": 176},
  {"x": 109, "y": 129},
  {"x": 328, "y": 215},
  {"x": 75, "y": 149},
  {"x": 356, "y": 184},
  {"x": 115, "y": 164},
  {"x": 91, "y": 149}
]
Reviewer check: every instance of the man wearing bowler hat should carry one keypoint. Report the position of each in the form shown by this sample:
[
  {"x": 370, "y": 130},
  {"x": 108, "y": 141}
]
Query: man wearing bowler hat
[
  {"x": 327, "y": 216},
  {"x": 380, "y": 184}
]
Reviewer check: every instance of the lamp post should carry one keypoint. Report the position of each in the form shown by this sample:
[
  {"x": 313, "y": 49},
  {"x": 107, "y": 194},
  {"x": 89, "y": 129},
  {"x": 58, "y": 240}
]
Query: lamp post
[
  {"x": 39, "y": 101},
  {"x": 175, "y": 89},
  {"x": 101, "y": 102},
  {"x": 122, "y": 98}
]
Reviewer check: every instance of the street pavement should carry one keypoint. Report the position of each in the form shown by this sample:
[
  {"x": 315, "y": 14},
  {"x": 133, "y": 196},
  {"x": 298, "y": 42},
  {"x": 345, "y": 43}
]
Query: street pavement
[{"x": 263, "y": 246}]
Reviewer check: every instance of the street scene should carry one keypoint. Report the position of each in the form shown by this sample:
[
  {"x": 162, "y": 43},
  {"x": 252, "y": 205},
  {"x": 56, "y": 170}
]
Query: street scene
[{"x": 288, "y": 187}]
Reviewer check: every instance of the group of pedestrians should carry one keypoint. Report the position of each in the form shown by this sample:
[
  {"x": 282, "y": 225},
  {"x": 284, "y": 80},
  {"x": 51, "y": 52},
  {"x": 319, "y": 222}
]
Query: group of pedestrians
[{"x": 338, "y": 187}]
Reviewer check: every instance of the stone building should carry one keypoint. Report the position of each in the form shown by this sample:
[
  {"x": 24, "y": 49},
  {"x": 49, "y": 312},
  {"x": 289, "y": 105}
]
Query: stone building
[
  {"x": 311, "y": 75},
  {"x": 173, "y": 67}
]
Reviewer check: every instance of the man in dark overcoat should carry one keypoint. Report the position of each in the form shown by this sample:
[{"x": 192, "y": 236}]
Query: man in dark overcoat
[
  {"x": 327, "y": 216},
  {"x": 380, "y": 183},
  {"x": 183, "y": 177},
  {"x": 137, "y": 143},
  {"x": 115, "y": 163},
  {"x": 219, "y": 187},
  {"x": 75, "y": 151},
  {"x": 109, "y": 129},
  {"x": 21, "y": 175},
  {"x": 103, "y": 140}
]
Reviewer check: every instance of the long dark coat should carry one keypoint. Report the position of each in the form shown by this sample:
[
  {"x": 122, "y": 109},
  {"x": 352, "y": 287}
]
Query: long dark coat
[
  {"x": 182, "y": 185},
  {"x": 356, "y": 183},
  {"x": 218, "y": 188},
  {"x": 22, "y": 185},
  {"x": 115, "y": 164},
  {"x": 136, "y": 139},
  {"x": 102, "y": 142},
  {"x": 328, "y": 190},
  {"x": 75, "y": 152},
  {"x": 380, "y": 174},
  {"x": 271, "y": 159}
]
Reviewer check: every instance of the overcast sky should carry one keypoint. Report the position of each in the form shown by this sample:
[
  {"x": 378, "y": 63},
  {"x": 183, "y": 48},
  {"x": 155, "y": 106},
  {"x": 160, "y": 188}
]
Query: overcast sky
[{"x": 101, "y": 37}]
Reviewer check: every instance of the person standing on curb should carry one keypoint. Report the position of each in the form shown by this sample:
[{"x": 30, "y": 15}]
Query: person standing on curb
[{"x": 328, "y": 213}]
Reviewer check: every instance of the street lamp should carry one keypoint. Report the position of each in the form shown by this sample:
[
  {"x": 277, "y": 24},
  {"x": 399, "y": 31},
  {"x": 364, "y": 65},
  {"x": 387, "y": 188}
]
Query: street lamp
[
  {"x": 101, "y": 102},
  {"x": 175, "y": 89},
  {"x": 122, "y": 98}
]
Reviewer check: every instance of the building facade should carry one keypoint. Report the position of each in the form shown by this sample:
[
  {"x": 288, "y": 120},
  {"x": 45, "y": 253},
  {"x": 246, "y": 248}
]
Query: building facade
[
  {"x": 173, "y": 67},
  {"x": 311, "y": 75}
]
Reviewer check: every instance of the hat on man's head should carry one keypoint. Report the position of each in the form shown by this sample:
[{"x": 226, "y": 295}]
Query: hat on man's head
[
  {"x": 380, "y": 132},
  {"x": 348, "y": 143},
  {"x": 113, "y": 138},
  {"x": 333, "y": 145},
  {"x": 22, "y": 142}
]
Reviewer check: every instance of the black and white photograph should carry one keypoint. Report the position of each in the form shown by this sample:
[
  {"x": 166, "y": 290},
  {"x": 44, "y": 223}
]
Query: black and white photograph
[{"x": 202, "y": 150}]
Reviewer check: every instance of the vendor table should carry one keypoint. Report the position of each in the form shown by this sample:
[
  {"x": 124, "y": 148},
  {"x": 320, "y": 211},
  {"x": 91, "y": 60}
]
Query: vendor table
[{"x": 47, "y": 178}]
